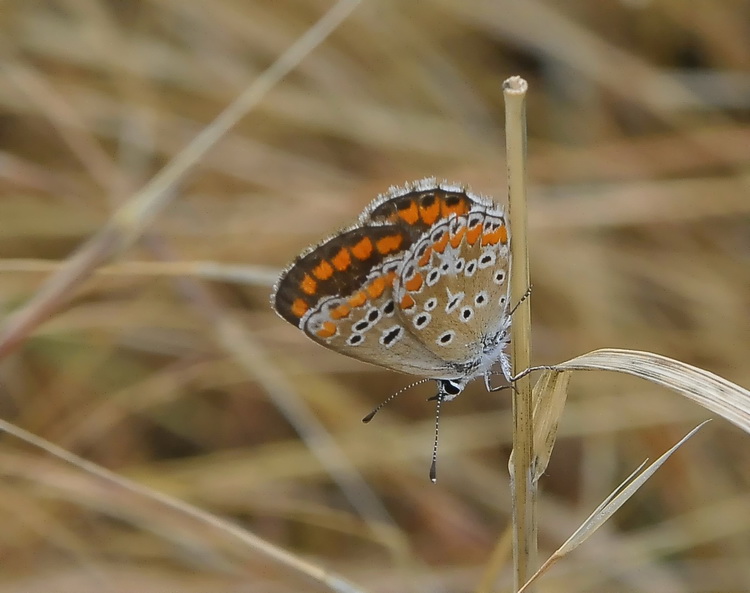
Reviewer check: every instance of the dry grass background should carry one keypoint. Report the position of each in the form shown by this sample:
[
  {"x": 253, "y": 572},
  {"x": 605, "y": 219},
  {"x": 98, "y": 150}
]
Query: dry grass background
[{"x": 639, "y": 148}]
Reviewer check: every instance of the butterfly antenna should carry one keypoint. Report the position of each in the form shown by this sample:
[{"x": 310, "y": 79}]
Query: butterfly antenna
[
  {"x": 390, "y": 398},
  {"x": 433, "y": 465}
]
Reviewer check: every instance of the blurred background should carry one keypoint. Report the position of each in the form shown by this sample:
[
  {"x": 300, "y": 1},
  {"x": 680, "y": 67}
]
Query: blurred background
[{"x": 639, "y": 169}]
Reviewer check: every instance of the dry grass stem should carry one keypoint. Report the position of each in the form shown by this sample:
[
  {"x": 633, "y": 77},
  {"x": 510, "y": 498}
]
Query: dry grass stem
[
  {"x": 258, "y": 545},
  {"x": 202, "y": 270},
  {"x": 521, "y": 468}
]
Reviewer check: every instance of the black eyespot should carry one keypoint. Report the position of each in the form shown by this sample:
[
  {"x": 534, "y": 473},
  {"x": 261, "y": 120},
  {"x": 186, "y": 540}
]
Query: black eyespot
[
  {"x": 361, "y": 326},
  {"x": 422, "y": 319},
  {"x": 467, "y": 313},
  {"x": 373, "y": 315},
  {"x": 409, "y": 272},
  {"x": 389, "y": 308},
  {"x": 445, "y": 267},
  {"x": 499, "y": 277},
  {"x": 355, "y": 339},
  {"x": 486, "y": 259},
  {"x": 427, "y": 200},
  {"x": 470, "y": 268},
  {"x": 433, "y": 276},
  {"x": 452, "y": 200},
  {"x": 454, "y": 301},
  {"x": 459, "y": 265},
  {"x": 430, "y": 304},
  {"x": 480, "y": 298},
  {"x": 390, "y": 336},
  {"x": 446, "y": 337}
]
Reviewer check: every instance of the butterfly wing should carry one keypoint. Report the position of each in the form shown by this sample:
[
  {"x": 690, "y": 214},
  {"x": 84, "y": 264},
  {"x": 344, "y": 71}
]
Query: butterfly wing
[
  {"x": 340, "y": 293},
  {"x": 356, "y": 292},
  {"x": 453, "y": 286}
]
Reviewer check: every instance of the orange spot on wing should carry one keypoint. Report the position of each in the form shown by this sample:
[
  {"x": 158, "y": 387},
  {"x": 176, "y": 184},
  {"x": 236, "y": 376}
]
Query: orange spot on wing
[
  {"x": 425, "y": 259},
  {"x": 299, "y": 307},
  {"x": 376, "y": 287},
  {"x": 389, "y": 243},
  {"x": 441, "y": 243},
  {"x": 323, "y": 271},
  {"x": 458, "y": 237},
  {"x": 499, "y": 235},
  {"x": 328, "y": 330},
  {"x": 411, "y": 214},
  {"x": 407, "y": 302},
  {"x": 430, "y": 214},
  {"x": 357, "y": 299},
  {"x": 308, "y": 285},
  {"x": 473, "y": 234},
  {"x": 414, "y": 283},
  {"x": 363, "y": 249},
  {"x": 460, "y": 208},
  {"x": 340, "y": 312},
  {"x": 342, "y": 260}
]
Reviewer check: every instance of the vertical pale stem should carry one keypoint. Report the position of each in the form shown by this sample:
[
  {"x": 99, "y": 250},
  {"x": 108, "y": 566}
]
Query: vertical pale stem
[{"x": 522, "y": 472}]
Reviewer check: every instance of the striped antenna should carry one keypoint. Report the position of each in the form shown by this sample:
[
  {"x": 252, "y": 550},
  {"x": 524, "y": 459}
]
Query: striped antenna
[{"x": 390, "y": 398}]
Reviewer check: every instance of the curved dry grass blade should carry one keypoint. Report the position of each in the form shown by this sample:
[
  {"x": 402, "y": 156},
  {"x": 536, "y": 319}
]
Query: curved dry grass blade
[
  {"x": 255, "y": 543},
  {"x": 714, "y": 393},
  {"x": 609, "y": 507},
  {"x": 550, "y": 393}
]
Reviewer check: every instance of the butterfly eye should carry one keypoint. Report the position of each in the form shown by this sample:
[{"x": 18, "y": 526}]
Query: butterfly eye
[{"x": 450, "y": 388}]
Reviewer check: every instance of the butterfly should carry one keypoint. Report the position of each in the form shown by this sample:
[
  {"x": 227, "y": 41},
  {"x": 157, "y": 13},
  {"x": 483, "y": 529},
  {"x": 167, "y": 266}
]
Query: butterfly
[{"x": 419, "y": 284}]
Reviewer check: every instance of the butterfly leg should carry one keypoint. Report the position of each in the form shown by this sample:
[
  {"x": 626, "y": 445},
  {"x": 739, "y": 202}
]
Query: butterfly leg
[{"x": 518, "y": 304}]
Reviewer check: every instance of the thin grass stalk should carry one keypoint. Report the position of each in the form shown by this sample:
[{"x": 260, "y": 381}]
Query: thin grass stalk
[
  {"x": 521, "y": 468},
  {"x": 170, "y": 504},
  {"x": 136, "y": 214}
]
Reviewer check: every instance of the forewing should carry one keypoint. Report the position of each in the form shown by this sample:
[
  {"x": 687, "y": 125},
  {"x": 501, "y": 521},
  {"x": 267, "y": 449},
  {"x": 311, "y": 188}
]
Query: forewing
[{"x": 340, "y": 294}]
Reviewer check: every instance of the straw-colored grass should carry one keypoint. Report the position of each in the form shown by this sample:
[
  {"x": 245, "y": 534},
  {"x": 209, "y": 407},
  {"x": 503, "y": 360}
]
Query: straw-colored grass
[{"x": 135, "y": 331}]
